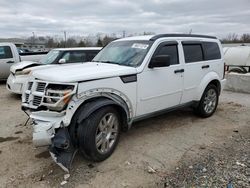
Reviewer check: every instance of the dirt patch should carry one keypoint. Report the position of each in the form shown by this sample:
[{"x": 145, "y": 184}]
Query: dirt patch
[
  {"x": 219, "y": 166},
  {"x": 7, "y": 139},
  {"x": 18, "y": 132},
  {"x": 44, "y": 154}
]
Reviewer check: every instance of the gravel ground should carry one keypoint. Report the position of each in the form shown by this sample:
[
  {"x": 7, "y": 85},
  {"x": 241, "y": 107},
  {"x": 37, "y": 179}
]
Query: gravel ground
[
  {"x": 174, "y": 150},
  {"x": 218, "y": 166}
]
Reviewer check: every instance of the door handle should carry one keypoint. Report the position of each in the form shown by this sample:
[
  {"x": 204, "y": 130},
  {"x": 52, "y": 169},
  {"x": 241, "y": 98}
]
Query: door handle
[
  {"x": 205, "y": 66},
  {"x": 179, "y": 71},
  {"x": 10, "y": 62}
]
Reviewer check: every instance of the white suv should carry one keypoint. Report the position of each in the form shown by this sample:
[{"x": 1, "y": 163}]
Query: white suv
[{"x": 86, "y": 106}]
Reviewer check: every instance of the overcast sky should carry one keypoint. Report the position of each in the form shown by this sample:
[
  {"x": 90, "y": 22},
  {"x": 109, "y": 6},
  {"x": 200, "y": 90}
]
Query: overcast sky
[{"x": 51, "y": 17}]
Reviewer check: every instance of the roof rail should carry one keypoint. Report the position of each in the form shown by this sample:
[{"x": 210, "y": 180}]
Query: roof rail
[{"x": 180, "y": 35}]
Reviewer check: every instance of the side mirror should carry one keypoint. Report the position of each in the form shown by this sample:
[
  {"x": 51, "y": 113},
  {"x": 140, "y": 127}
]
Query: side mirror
[
  {"x": 61, "y": 61},
  {"x": 159, "y": 61}
]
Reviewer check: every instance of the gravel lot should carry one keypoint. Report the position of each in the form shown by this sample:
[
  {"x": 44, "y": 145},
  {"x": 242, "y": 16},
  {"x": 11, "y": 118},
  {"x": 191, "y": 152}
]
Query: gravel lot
[{"x": 173, "y": 150}]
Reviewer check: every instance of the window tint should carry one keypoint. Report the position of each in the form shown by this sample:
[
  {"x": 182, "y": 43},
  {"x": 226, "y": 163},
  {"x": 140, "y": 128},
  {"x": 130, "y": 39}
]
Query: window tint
[
  {"x": 5, "y": 52},
  {"x": 92, "y": 54},
  {"x": 193, "y": 52},
  {"x": 170, "y": 50},
  {"x": 75, "y": 57},
  {"x": 211, "y": 50}
]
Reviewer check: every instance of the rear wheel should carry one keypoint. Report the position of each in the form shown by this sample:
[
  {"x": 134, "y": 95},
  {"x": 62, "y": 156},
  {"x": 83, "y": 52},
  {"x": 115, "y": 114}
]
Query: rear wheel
[
  {"x": 98, "y": 134},
  {"x": 209, "y": 101}
]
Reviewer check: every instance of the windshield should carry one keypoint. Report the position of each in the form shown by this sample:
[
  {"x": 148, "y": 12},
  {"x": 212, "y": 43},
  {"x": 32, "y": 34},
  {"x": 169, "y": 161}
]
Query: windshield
[
  {"x": 128, "y": 53},
  {"x": 50, "y": 57}
]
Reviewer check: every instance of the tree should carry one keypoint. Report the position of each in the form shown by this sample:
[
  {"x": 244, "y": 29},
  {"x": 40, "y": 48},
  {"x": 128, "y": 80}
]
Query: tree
[
  {"x": 99, "y": 42},
  {"x": 81, "y": 44},
  {"x": 245, "y": 37}
]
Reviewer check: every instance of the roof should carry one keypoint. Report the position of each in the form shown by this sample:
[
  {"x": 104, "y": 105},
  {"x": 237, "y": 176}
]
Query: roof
[
  {"x": 82, "y": 48},
  {"x": 155, "y": 37}
]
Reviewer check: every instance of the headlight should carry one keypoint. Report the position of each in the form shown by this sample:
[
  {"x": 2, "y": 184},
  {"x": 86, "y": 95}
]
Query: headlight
[
  {"x": 57, "y": 96},
  {"x": 23, "y": 72}
]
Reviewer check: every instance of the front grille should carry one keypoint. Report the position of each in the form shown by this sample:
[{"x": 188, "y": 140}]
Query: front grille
[
  {"x": 30, "y": 84},
  {"x": 37, "y": 100},
  {"x": 40, "y": 87},
  {"x": 27, "y": 98}
]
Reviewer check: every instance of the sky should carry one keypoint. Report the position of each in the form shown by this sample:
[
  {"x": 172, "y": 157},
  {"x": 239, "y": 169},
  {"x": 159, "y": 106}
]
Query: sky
[{"x": 19, "y": 18}]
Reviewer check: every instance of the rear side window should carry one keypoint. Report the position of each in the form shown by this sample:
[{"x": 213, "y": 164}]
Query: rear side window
[
  {"x": 75, "y": 56},
  {"x": 92, "y": 54},
  {"x": 5, "y": 52},
  {"x": 170, "y": 50},
  {"x": 211, "y": 50},
  {"x": 193, "y": 53}
]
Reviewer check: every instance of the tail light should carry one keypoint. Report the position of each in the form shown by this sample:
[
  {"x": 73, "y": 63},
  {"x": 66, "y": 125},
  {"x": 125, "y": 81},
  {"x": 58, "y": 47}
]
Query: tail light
[{"x": 225, "y": 68}]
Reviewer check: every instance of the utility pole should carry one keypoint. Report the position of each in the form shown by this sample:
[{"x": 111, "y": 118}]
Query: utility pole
[
  {"x": 123, "y": 33},
  {"x": 190, "y": 31},
  {"x": 65, "y": 38},
  {"x": 33, "y": 40}
]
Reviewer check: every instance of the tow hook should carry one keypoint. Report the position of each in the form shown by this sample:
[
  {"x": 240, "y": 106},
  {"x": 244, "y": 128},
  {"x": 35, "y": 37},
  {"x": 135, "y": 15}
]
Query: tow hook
[{"x": 62, "y": 150}]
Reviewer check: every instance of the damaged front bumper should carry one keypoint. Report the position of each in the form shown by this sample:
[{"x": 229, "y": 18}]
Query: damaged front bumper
[{"x": 49, "y": 130}]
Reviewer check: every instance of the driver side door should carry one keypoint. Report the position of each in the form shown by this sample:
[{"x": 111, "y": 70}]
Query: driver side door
[
  {"x": 160, "y": 88},
  {"x": 6, "y": 60}
]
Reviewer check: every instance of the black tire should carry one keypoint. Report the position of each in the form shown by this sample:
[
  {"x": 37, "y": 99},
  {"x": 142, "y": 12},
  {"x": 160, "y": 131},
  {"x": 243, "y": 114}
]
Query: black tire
[
  {"x": 201, "y": 109},
  {"x": 88, "y": 130},
  {"x": 72, "y": 128}
]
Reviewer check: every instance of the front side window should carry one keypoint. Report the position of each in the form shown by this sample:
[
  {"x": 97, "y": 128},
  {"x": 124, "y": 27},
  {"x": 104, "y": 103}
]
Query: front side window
[
  {"x": 127, "y": 53},
  {"x": 50, "y": 57},
  {"x": 5, "y": 52},
  {"x": 74, "y": 56},
  {"x": 193, "y": 53},
  {"x": 171, "y": 50}
]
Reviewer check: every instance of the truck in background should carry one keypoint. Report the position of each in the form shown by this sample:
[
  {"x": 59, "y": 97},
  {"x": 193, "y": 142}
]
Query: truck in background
[{"x": 9, "y": 55}]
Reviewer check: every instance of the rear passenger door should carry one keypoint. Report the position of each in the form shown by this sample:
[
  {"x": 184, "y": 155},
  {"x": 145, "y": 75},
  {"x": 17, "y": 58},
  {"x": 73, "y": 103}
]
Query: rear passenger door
[
  {"x": 200, "y": 58},
  {"x": 6, "y": 60}
]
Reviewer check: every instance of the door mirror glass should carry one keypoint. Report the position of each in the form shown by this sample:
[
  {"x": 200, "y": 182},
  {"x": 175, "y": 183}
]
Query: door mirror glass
[
  {"x": 160, "y": 61},
  {"x": 61, "y": 61}
]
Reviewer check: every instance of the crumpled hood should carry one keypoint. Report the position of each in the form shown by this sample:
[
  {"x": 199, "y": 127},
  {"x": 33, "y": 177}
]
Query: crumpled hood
[
  {"x": 22, "y": 65},
  {"x": 82, "y": 72}
]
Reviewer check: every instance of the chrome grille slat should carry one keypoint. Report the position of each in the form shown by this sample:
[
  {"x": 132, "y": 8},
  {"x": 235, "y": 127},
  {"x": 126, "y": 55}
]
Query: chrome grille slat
[
  {"x": 40, "y": 86},
  {"x": 37, "y": 100},
  {"x": 27, "y": 98},
  {"x": 30, "y": 84}
]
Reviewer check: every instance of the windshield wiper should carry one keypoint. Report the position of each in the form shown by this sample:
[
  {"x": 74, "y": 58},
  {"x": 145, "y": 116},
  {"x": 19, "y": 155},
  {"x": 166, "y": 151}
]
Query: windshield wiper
[{"x": 110, "y": 62}]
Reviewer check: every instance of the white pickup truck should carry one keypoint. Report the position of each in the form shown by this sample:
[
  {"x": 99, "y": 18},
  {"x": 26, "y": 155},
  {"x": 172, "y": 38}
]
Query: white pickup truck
[
  {"x": 19, "y": 72},
  {"x": 86, "y": 106},
  {"x": 9, "y": 55}
]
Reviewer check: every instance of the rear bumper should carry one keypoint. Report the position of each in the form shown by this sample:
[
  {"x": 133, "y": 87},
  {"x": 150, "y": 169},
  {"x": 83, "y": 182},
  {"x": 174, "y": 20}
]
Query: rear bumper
[
  {"x": 15, "y": 83},
  {"x": 223, "y": 84}
]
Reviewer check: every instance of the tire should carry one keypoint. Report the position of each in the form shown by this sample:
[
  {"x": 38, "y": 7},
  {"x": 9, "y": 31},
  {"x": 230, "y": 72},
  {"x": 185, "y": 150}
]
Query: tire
[
  {"x": 96, "y": 136},
  {"x": 72, "y": 128},
  {"x": 209, "y": 101},
  {"x": 240, "y": 70}
]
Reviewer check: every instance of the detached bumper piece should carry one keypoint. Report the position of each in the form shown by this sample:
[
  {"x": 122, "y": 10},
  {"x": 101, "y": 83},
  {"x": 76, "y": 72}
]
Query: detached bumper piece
[{"x": 62, "y": 150}]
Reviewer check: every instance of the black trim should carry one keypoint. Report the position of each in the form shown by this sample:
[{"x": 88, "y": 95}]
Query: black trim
[
  {"x": 32, "y": 53},
  {"x": 180, "y": 35},
  {"x": 129, "y": 78}
]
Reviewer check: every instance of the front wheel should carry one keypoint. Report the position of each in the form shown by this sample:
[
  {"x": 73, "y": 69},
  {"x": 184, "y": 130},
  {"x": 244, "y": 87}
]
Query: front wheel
[
  {"x": 98, "y": 135},
  {"x": 209, "y": 101}
]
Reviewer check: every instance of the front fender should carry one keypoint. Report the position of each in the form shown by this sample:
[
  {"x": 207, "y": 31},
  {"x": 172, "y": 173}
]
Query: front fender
[{"x": 113, "y": 96}]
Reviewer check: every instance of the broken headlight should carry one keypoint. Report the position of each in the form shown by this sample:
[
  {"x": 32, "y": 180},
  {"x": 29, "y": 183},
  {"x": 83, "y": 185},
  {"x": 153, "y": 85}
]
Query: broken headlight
[{"x": 57, "y": 96}]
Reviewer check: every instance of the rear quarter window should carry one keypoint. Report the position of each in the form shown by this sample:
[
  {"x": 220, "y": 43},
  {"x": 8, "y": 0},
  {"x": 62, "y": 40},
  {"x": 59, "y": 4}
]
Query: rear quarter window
[
  {"x": 211, "y": 51},
  {"x": 5, "y": 52}
]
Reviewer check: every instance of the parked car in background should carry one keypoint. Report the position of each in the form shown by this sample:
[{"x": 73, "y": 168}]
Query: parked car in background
[
  {"x": 20, "y": 71},
  {"x": 86, "y": 106},
  {"x": 9, "y": 55}
]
